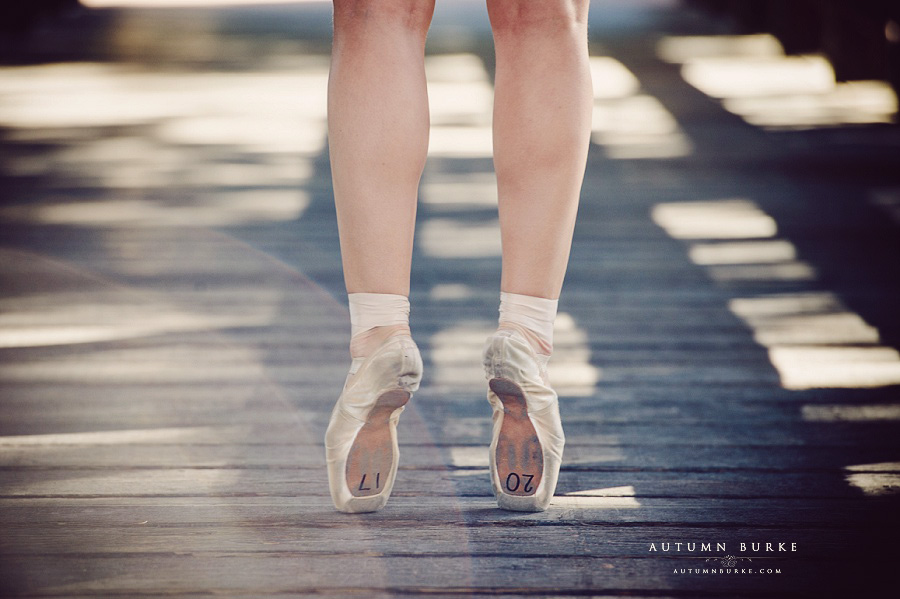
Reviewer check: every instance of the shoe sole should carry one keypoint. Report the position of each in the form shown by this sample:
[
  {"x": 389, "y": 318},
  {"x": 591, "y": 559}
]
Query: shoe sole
[
  {"x": 371, "y": 457},
  {"x": 519, "y": 457}
]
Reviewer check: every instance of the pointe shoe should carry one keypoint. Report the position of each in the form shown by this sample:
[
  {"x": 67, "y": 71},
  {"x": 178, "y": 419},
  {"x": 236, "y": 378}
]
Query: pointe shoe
[
  {"x": 361, "y": 441},
  {"x": 527, "y": 443}
]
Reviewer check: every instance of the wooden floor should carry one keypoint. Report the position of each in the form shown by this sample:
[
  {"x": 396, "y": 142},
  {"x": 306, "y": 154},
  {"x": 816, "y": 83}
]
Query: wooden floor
[{"x": 173, "y": 331}]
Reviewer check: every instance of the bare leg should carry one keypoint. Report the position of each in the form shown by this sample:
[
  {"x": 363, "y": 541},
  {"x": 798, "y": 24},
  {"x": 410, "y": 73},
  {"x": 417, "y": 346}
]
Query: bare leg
[
  {"x": 378, "y": 139},
  {"x": 542, "y": 119},
  {"x": 378, "y": 136}
]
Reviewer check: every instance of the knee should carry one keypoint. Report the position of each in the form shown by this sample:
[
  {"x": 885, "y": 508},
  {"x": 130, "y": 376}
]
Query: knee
[
  {"x": 354, "y": 16},
  {"x": 512, "y": 16}
]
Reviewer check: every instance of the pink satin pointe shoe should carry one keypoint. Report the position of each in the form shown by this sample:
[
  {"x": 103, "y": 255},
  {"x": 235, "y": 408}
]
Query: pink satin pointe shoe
[
  {"x": 527, "y": 443},
  {"x": 361, "y": 441}
]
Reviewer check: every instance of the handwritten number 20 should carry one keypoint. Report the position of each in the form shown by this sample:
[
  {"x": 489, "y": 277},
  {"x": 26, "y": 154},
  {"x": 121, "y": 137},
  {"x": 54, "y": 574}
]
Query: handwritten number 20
[{"x": 514, "y": 481}]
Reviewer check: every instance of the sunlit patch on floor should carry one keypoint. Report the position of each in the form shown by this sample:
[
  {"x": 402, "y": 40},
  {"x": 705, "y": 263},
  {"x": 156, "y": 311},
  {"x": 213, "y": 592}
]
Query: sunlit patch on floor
[
  {"x": 470, "y": 457},
  {"x": 459, "y": 191},
  {"x": 729, "y": 77},
  {"x": 61, "y": 319},
  {"x": 233, "y": 132},
  {"x": 848, "y": 103},
  {"x": 449, "y": 238},
  {"x": 157, "y": 365},
  {"x": 470, "y": 429},
  {"x": 628, "y": 124},
  {"x": 459, "y": 90},
  {"x": 456, "y": 357},
  {"x": 625, "y": 491},
  {"x": 608, "y": 498},
  {"x": 448, "y": 141},
  {"x": 715, "y": 219},
  {"x": 571, "y": 372},
  {"x": 756, "y": 81},
  {"x": 815, "y": 341},
  {"x": 875, "y": 479},
  {"x": 679, "y": 49},
  {"x": 206, "y": 209},
  {"x": 834, "y": 367},
  {"x": 230, "y": 107},
  {"x": 812, "y": 339},
  {"x": 164, "y": 482},
  {"x": 193, "y": 434},
  {"x": 802, "y": 319},
  {"x": 851, "y": 413},
  {"x": 748, "y": 252},
  {"x": 450, "y": 292},
  {"x": 771, "y": 259},
  {"x": 601, "y": 449},
  {"x": 460, "y": 98}
]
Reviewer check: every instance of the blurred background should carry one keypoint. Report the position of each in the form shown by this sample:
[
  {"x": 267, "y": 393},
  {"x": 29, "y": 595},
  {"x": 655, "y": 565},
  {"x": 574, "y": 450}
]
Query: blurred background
[
  {"x": 859, "y": 39},
  {"x": 173, "y": 330}
]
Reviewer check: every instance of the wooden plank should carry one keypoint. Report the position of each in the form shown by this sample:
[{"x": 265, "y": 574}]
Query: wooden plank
[
  {"x": 279, "y": 426},
  {"x": 611, "y": 457},
  {"x": 721, "y": 512},
  {"x": 132, "y": 478},
  {"x": 635, "y": 401},
  {"x": 431, "y": 538},
  {"x": 304, "y": 574},
  {"x": 184, "y": 456}
]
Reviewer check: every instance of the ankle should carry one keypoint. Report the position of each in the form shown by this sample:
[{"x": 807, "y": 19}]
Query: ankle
[
  {"x": 537, "y": 343},
  {"x": 532, "y": 316},
  {"x": 373, "y": 318},
  {"x": 363, "y": 344}
]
